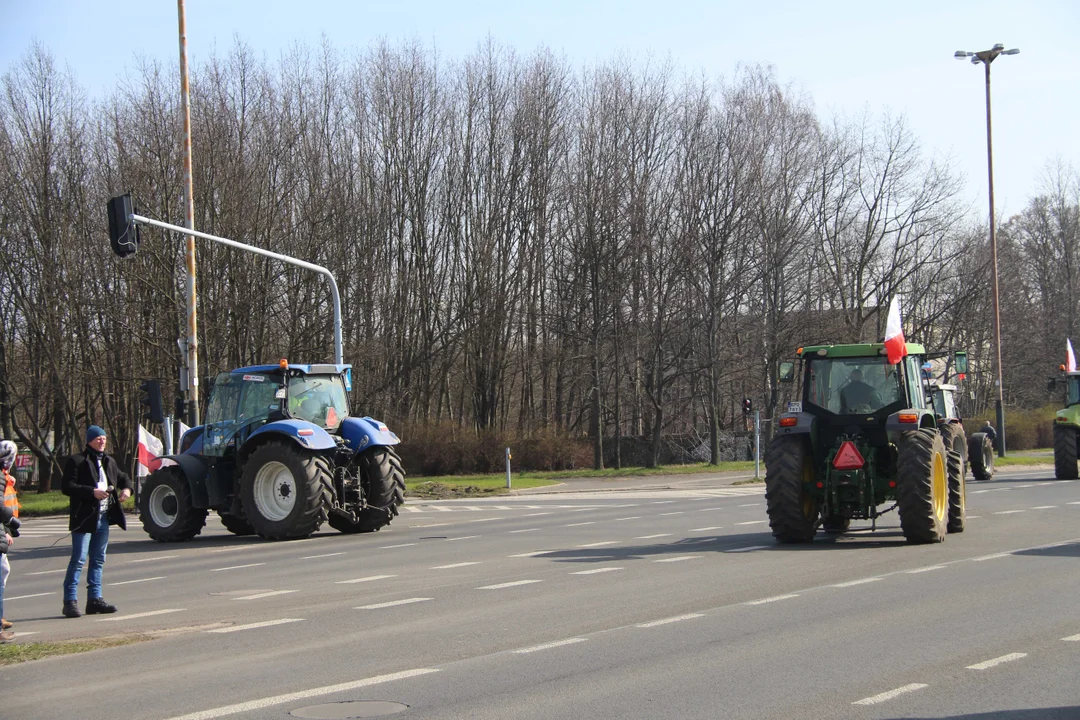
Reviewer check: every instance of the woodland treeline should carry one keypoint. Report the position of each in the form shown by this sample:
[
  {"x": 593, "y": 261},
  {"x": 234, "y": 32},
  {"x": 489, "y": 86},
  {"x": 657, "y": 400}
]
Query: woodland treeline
[{"x": 523, "y": 246}]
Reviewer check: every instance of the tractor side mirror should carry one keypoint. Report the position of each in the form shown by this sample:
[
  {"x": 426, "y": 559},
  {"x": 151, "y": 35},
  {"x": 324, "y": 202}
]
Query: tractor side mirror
[
  {"x": 786, "y": 372},
  {"x": 1051, "y": 384},
  {"x": 961, "y": 362}
]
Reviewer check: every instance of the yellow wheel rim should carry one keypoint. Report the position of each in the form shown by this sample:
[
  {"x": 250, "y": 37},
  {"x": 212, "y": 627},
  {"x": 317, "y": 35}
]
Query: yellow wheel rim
[{"x": 940, "y": 486}]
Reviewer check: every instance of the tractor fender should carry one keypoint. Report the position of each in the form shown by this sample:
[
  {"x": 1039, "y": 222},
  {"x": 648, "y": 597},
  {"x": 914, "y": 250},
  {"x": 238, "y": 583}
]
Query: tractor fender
[
  {"x": 307, "y": 435},
  {"x": 895, "y": 428},
  {"x": 804, "y": 424},
  {"x": 365, "y": 432},
  {"x": 195, "y": 471}
]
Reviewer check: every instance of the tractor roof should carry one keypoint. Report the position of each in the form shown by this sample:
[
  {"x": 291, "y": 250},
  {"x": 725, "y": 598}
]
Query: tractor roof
[
  {"x": 860, "y": 350},
  {"x": 324, "y": 369}
]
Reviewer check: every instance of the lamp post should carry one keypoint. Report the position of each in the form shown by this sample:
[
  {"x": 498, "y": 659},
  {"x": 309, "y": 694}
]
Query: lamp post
[{"x": 986, "y": 57}]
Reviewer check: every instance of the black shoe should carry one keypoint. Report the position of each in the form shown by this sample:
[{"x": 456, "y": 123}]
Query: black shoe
[
  {"x": 71, "y": 609},
  {"x": 98, "y": 606}
]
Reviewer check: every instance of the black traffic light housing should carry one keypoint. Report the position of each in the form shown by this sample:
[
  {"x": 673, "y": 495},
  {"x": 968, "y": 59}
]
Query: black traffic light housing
[
  {"x": 151, "y": 398},
  {"x": 123, "y": 233},
  {"x": 747, "y": 406}
]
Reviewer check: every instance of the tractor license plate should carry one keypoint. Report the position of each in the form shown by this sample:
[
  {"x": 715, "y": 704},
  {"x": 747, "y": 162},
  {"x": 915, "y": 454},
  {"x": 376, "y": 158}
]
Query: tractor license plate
[{"x": 794, "y": 407}]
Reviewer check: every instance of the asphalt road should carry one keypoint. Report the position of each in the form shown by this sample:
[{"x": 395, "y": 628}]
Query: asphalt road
[{"x": 649, "y": 603}]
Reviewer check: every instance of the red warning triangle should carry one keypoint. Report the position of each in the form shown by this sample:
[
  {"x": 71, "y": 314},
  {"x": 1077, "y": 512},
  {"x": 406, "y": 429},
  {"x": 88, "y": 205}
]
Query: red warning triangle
[{"x": 848, "y": 457}]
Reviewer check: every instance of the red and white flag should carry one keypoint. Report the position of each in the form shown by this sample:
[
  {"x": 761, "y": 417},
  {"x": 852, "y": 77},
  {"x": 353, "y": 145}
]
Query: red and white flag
[
  {"x": 1070, "y": 356},
  {"x": 894, "y": 333},
  {"x": 148, "y": 452}
]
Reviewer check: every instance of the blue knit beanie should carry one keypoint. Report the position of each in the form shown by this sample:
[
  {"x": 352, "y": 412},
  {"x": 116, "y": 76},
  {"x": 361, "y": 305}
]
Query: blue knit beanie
[{"x": 93, "y": 433}]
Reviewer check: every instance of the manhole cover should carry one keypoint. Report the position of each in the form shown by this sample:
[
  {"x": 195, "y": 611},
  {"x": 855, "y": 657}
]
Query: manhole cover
[{"x": 349, "y": 709}]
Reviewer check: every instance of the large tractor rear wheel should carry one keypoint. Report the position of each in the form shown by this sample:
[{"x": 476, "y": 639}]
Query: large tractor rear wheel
[
  {"x": 165, "y": 507},
  {"x": 1065, "y": 452},
  {"x": 981, "y": 456},
  {"x": 922, "y": 486},
  {"x": 383, "y": 481},
  {"x": 286, "y": 491},
  {"x": 793, "y": 512}
]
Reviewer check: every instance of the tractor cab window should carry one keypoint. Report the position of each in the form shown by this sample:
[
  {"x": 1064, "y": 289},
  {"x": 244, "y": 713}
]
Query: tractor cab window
[
  {"x": 853, "y": 386},
  {"x": 318, "y": 399},
  {"x": 1073, "y": 390},
  {"x": 224, "y": 399}
]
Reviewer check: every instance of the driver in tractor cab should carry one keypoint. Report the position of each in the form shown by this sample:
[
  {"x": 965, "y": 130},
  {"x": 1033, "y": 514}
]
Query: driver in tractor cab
[{"x": 857, "y": 394}]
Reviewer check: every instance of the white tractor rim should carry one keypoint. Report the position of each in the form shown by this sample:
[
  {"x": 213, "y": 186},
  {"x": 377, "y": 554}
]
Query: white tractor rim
[
  {"x": 274, "y": 491},
  {"x": 163, "y": 497}
]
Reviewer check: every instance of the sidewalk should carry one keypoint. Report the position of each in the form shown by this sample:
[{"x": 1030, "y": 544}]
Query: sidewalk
[{"x": 696, "y": 481}]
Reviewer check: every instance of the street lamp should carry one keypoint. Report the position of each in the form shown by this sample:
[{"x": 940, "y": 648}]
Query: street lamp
[{"x": 986, "y": 57}]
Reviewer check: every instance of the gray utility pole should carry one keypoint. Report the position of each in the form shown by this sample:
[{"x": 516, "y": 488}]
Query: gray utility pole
[
  {"x": 757, "y": 444},
  {"x": 191, "y": 388},
  {"x": 986, "y": 57}
]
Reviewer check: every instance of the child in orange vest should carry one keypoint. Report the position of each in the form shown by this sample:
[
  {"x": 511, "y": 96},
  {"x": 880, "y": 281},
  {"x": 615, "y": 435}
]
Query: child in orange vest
[{"x": 9, "y": 519}]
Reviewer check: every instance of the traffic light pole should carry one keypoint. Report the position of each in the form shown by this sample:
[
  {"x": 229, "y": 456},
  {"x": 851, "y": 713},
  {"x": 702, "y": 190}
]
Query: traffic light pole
[
  {"x": 338, "y": 353},
  {"x": 192, "y": 344}
]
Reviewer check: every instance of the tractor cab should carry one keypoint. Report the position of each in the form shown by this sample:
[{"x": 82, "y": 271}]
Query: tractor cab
[{"x": 943, "y": 400}]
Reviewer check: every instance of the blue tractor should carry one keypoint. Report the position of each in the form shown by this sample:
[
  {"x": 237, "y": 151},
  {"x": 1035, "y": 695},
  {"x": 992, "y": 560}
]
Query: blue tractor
[{"x": 278, "y": 455}]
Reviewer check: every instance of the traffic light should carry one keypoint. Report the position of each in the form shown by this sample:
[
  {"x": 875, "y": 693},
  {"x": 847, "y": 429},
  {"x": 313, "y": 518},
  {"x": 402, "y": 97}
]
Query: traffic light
[
  {"x": 123, "y": 233},
  {"x": 151, "y": 398},
  {"x": 747, "y": 406}
]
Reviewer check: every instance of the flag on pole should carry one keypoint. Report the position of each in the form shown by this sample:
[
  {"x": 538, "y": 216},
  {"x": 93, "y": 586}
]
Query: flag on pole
[
  {"x": 148, "y": 452},
  {"x": 1070, "y": 356},
  {"x": 181, "y": 428},
  {"x": 894, "y": 333}
]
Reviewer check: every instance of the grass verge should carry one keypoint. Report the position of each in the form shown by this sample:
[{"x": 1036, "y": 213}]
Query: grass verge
[{"x": 17, "y": 652}]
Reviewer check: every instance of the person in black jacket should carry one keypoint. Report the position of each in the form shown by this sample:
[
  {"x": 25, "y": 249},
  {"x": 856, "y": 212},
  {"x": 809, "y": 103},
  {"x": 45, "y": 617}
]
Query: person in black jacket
[{"x": 96, "y": 487}]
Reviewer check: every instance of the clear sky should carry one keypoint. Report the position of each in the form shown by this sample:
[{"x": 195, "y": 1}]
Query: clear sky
[{"x": 849, "y": 55}]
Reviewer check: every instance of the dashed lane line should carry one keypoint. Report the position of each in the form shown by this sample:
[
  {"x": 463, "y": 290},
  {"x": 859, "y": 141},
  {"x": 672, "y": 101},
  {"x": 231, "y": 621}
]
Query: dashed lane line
[
  {"x": 651, "y": 537},
  {"x": 680, "y": 558},
  {"x": 251, "y": 705},
  {"x": 515, "y": 583},
  {"x": 152, "y": 613},
  {"x": 236, "y": 567},
  {"x": 312, "y": 557},
  {"x": 524, "y": 530},
  {"x": 987, "y": 664},
  {"x": 995, "y": 556},
  {"x": 875, "y": 699},
  {"x": 44, "y": 572},
  {"x": 549, "y": 646},
  {"x": 752, "y": 522},
  {"x": 391, "y": 547},
  {"x": 594, "y": 571},
  {"x": 141, "y": 560},
  {"x": 665, "y": 621},
  {"x": 455, "y": 565},
  {"x": 704, "y": 529},
  {"x": 141, "y": 580},
  {"x": 924, "y": 569},
  {"x": 268, "y": 593},
  {"x": 677, "y": 512},
  {"x": 255, "y": 625},
  {"x": 23, "y": 597},
  {"x": 591, "y": 522},
  {"x": 1072, "y": 638},
  {"x": 394, "y": 603},
  {"x": 534, "y": 553},
  {"x": 749, "y": 548},
  {"x": 464, "y": 537},
  {"x": 774, "y": 598},
  {"x": 1044, "y": 507},
  {"x": 853, "y": 583},
  {"x": 1007, "y": 512},
  {"x": 599, "y": 544},
  {"x": 632, "y": 517},
  {"x": 369, "y": 578}
]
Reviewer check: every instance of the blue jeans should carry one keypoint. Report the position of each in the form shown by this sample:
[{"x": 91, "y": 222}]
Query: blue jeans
[{"x": 84, "y": 545}]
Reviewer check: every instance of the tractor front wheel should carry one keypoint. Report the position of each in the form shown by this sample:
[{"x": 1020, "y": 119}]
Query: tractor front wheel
[
  {"x": 1065, "y": 452},
  {"x": 957, "y": 493},
  {"x": 236, "y": 524},
  {"x": 383, "y": 481},
  {"x": 165, "y": 507},
  {"x": 922, "y": 486},
  {"x": 285, "y": 491},
  {"x": 793, "y": 512}
]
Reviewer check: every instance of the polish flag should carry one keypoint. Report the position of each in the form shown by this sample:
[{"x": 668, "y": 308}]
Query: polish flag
[
  {"x": 149, "y": 450},
  {"x": 894, "y": 333},
  {"x": 1070, "y": 357}
]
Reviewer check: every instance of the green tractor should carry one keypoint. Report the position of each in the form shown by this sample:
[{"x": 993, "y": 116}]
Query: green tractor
[
  {"x": 1066, "y": 427},
  {"x": 863, "y": 435}
]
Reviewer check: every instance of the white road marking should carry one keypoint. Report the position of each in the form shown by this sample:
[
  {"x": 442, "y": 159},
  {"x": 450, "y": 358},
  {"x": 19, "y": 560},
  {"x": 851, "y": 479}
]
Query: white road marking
[
  {"x": 23, "y": 597},
  {"x": 713, "y": 527},
  {"x": 752, "y": 522},
  {"x": 973, "y": 517},
  {"x": 395, "y": 603},
  {"x": 548, "y": 646},
  {"x": 250, "y": 705},
  {"x": 455, "y": 565},
  {"x": 650, "y": 537},
  {"x": 852, "y": 583},
  {"x": 24, "y": 634},
  {"x": 312, "y": 557},
  {"x": 268, "y": 593},
  {"x": 751, "y": 505},
  {"x": 1044, "y": 507},
  {"x": 1072, "y": 638},
  {"x": 710, "y": 509},
  {"x": 665, "y": 621},
  {"x": 1024, "y": 486},
  {"x": 677, "y": 512},
  {"x": 369, "y": 578},
  {"x": 49, "y": 572},
  {"x": 140, "y": 560},
  {"x": 536, "y": 514},
  {"x": 465, "y": 537},
  {"x": 925, "y": 569},
  {"x": 599, "y": 544},
  {"x": 663, "y": 502},
  {"x": 424, "y": 527},
  {"x": 516, "y": 583},
  {"x": 236, "y": 567},
  {"x": 534, "y": 553},
  {"x": 596, "y": 570},
  {"x": 1074, "y": 503},
  {"x": 525, "y": 530},
  {"x": 391, "y": 547},
  {"x": 890, "y": 694},
  {"x": 632, "y": 517},
  {"x": 995, "y": 556},
  {"x": 253, "y": 626},
  {"x": 749, "y": 548},
  {"x": 996, "y": 661},
  {"x": 591, "y": 522},
  {"x": 152, "y": 613},
  {"x": 774, "y": 598},
  {"x": 132, "y": 582},
  {"x": 678, "y": 559}
]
